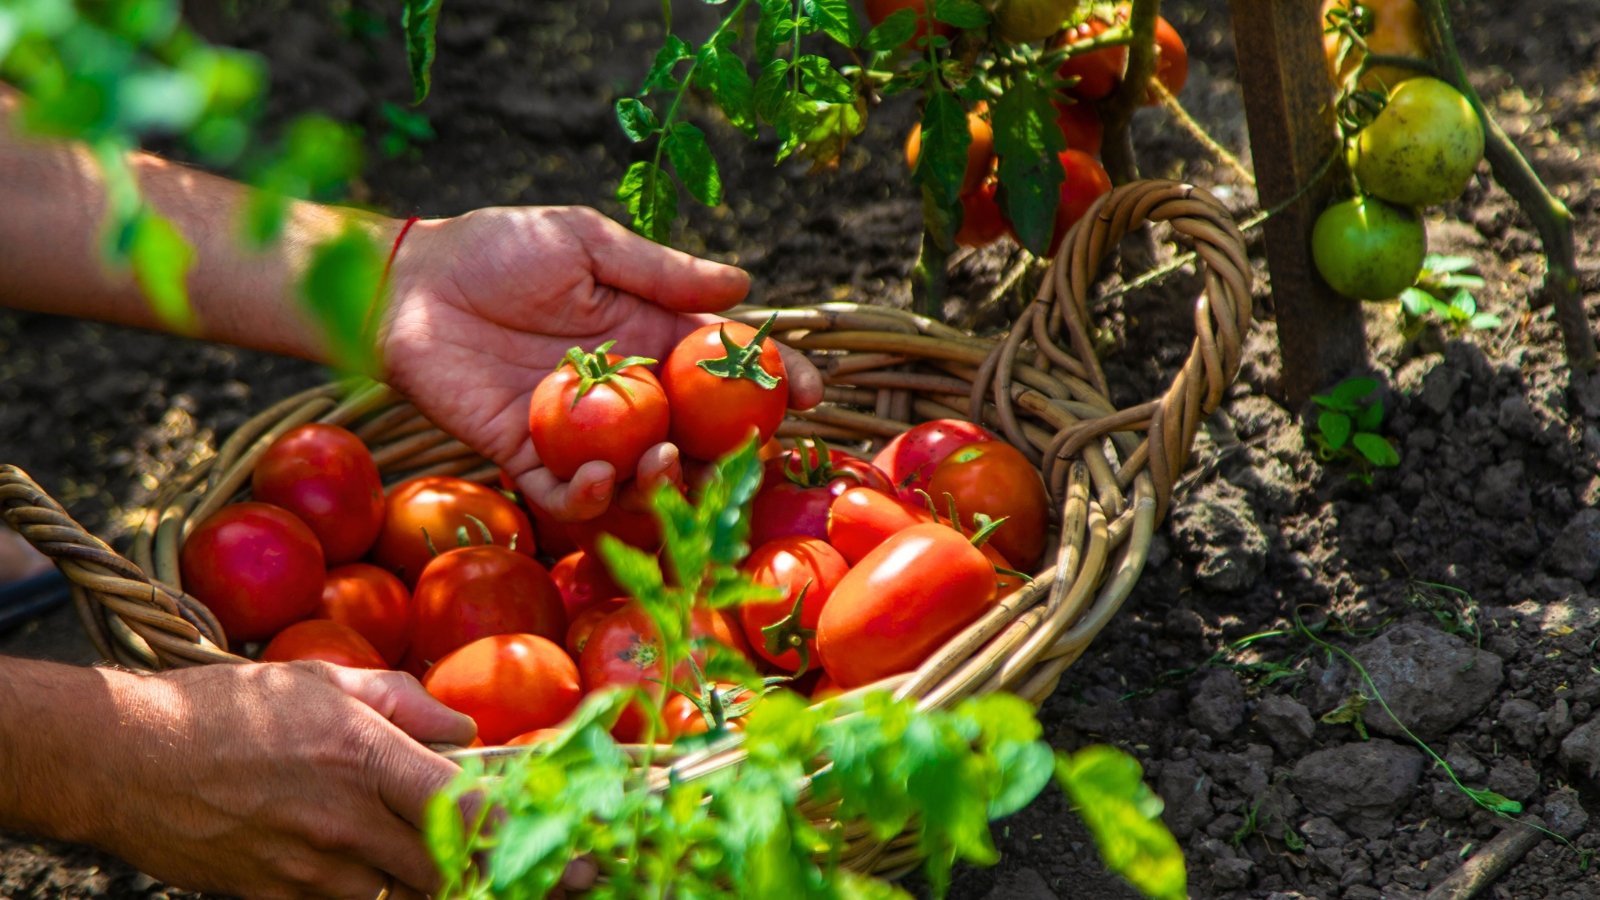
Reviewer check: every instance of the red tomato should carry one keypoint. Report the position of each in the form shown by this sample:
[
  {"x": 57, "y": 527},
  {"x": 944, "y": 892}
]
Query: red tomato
[
  {"x": 1172, "y": 60},
  {"x": 996, "y": 480},
  {"x": 597, "y": 406},
  {"x": 625, "y": 650},
  {"x": 980, "y": 148},
  {"x": 797, "y": 490},
  {"x": 1083, "y": 181},
  {"x": 374, "y": 603},
  {"x": 551, "y": 533},
  {"x": 909, "y": 459},
  {"x": 326, "y": 640},
  {"x": 583, "y": 580},
  {"x": 629, "y": 519},
  {"x": 534, "y": 737},
  {"x": 324, "y": 475},
  {"x": 473, "y": 592},
  {"x": 793, "y": 564},
  {"x": 684, "y": 718},
  {"x": 1098, "y": 72},
  {"x": 584, "y": 620},
  {"x": 257, "y": 567},
  {"x": 716, "y": 409},
  {"x": 1081, "y": 126},
  {"x": 434, "y": 508},
  {"x": 860, "y": 519},
  {"x": 824, "y": 689},
  {"x": 901, "y": 603},
  {"x": 414, "y": 665},
  {"x": 982, "y": 223},
  {"x": 508, "y": 683},
  {"x": 878, "y": 10}
]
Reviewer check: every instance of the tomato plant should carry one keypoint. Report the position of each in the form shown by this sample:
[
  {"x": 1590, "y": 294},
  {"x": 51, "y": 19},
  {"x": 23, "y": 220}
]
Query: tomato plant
[
  {"x": 1386, "y": 27},
  {"x": 508, "y": 683},
  {"x": 686, "y": 714},
  {"x": 880, "y": 10},
  {"x": 597, "y": 406},
  {"x": 1084, "y": 182},
  {"x": 1098, "y": 72},
  {"x": 806, "y": 570},
  {"x": 373, "y": 602},
  {"x": 428, "y": 514},
  {"x": 1422, "y": 148},
  {"x": 473, "y": 592},
  {"x": 325, "y": 640},
  {"x": 626, "y": 650},
  {"x": 725, "y": 382},
  {"x": 980, "y": 148},
  {"x": 994, "y": 479},
  {"x": 1368, "y": 249},
  {"x": 324, "y": 475},
  {"x": 257, "y": 567}
]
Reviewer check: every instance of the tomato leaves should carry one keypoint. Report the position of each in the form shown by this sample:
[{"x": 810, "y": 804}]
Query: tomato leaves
[
  {"x": 341, "y": 287},
  {"x": 692, "y": 160},
  {"x": 651, "y": 199},
  {"x": 1029, "y": 144},
  {"x": 942, "y": 164},
  {"x": 1124, "y": 815},
  {"x": 419, "y": 19}
]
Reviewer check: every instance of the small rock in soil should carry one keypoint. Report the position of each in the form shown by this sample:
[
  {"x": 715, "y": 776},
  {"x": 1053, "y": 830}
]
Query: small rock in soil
[
  {"x": 1231, "y": 874},
  {"x": 1564, "y": 814},
  {"x": 1557, "y": 720},
  {"x": 1513, "y": 779},
  {"x": 1503, "y": 492},
  {"x": 1580, "y": 751},
  {"x": 1321, "y": 831},
  {"x": 1576, "y": 550},
  {"x": 1217, "y": 530},
  {"x": 1360, "y": 786},
  {"x": 1449, "y": 802},
  {"x": 1520, "y": 719},
  {"x": 1218, "y": 704},
  {"x": 1466, "y": 764},
  {"x": 1439, "y": 387},
  {"x": 1186, "y": 792},
  {"x": 1021, "y": 884},
  {"x": 1432, "y": 681},
  {"x": 1285, "y": 722}
]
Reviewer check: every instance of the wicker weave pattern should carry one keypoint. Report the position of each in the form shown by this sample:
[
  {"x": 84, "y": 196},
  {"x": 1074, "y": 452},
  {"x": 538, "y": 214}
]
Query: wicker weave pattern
[{"x": 1110, "y": 472}]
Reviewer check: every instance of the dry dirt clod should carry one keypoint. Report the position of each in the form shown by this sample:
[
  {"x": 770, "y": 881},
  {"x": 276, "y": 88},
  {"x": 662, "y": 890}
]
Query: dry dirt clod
[{"x": 1432, "y": 681}]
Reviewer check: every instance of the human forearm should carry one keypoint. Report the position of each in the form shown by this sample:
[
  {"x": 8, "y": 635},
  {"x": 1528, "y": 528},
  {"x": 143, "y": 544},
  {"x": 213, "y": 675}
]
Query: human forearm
[{"x": 52, "y": 233}]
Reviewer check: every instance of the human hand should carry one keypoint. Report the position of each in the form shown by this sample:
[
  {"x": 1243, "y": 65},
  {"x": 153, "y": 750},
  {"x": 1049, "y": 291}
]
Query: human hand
[
  {"x": 272, "y": 780},
  {"x": 484, "y": 305}
]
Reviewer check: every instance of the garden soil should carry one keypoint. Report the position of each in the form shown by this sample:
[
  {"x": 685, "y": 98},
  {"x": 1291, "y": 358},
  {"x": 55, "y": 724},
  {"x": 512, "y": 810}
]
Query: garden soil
[{"x": 1463, "y": 580}]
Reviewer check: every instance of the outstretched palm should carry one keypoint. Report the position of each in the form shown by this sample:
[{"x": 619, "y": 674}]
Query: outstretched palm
[{"x": 485, "y": 304}]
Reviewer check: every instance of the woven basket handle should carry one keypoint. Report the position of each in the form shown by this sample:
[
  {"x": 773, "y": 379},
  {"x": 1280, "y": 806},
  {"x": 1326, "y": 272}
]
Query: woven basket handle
[{"x": 131, "y": 618}]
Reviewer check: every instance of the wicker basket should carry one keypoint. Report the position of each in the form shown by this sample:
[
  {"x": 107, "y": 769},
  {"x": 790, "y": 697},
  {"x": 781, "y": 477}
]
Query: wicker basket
[{"x": 1110, "y": 472}]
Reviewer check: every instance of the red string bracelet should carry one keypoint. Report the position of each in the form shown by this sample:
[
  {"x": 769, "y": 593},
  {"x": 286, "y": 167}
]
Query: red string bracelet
[{"x": 383, "y": 283}]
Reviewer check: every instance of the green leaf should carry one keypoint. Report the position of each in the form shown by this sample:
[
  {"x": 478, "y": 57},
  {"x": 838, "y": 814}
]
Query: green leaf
[
  {"x": 1029, "y": 145},
  {"x": 723, "y": 73},
  {"x": 638, "y": 121},
  {"x": 1370, "y": 417},
  {"x": 1353, "y": 390},
  {"x": 528, "y": 841},
  {"x": 1124, "y": 816},
  {"x": 835, "y": 18},
  {"x": 772, "y": 90},
  {"x": 340, "y": 288},
  {"x": 1483, "y": 321},
  {"x": 773, "y": 29},
  {"x": 855, "y": 886},
  {"x": 1415, "y": 301},
  {"x": 1025, "y": 770},
  {"x": 635, "y": 571},
  {"x": 673, "y": 51},
  {"x": 963, "y": 14},
  {"x": 1376, "y": 449},
  {"x": 691, "y": 158},
  {"x": 161, "y": 260},
  {"x": 651, "y": 200},
  {"x": 419, "y": 19},
  {"x": 821, "y": 81},
  {"x": 894, "y": 31},
  {"x": 1440, "y": 264},
  {"x": 1493, "y": 801},
  {"x": 942, "y": 162},
  {"x": 1464, "y": 303},
  {"x": 1335, "y": 427}
]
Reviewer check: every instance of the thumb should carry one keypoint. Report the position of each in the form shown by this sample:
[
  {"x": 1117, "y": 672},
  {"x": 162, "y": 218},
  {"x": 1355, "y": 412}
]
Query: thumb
[
  {"x": 658, "y": 274},
  {"x": 400, "y": 698}
]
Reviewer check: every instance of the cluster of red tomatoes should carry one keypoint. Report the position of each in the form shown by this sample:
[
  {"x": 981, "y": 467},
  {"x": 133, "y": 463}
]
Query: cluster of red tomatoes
[
  {"x": 511, "y": 618},
  {"x": 1091, "y": 77}
]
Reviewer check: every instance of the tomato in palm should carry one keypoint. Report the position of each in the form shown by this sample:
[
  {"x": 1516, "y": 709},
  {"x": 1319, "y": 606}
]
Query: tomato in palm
[
  {"x": 1098, "y": 71},
  {"x": 980, "y": 148},
  {"x": 597, "y": 406},
  {"x": 583, "y": 580},
  {"x": 509, "y": 684},
  {"x": 1081, "y": 126},
  {"x": 878, "y": 10},
  {"x": 324, "y": 475},
  {"x": 901, "y": 603},
  {"x": 726, "y": 383},
  {"x": 683, "y": 718},
  {"x": 911, "y": 456},
  {"x": 797, "y": 489},
  {"x": 1368, "y": 249},
  {"x": 793, "y": 565},
  {"x": 373, "y": 602},
  {"x": 982, "y": 223},
  {"x": 1423, "y": 148},
  {"x": 325, "y": 640},
  {"x": 1172, "y": 61},
  {"x": 436, "y": 509},
  {"x": 582, "y": 623},
  {"x": 994, "y": 479},
  {"x": 473, "y": 592},
  {"x": 257, "y": 567},
  {"x": 625, "y": 650}
]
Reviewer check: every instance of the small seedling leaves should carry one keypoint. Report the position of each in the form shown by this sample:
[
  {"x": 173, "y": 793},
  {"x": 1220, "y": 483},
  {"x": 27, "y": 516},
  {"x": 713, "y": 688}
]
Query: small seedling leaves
[
  {"x": 1439, "y": 264},
  {"x": 1416, "y": 301},
  {"x": 894, "y": 31},
  {"x": 1351, "y": 391},
  {"x": 722, "y": 72},
  {"x": 1124, "y": 815},
  {"x": 963, "y": 14},
  {"x": 161, "y": 260},
  {"x": 1370, "y": 417},
  {"x": 943, "y": 161},
  {"x": 651, "y": 200},
  {"x": 1376, "y": 449},
  {"x": 1463, "y": 303},
  {"x": 1029, "y": 146},
  {"x": 638, "y": 121},
  {"x": 1335, "y": 428},
  {"x": 821, "y": 81},
  {"x": 836, "y": 18},
  {"x": 692, "y": 160},
  {"x": 419, "y": 19},
  {"x": 673, "y": 51},
  {"x": 638, "y": 573},
  {"x": 772, "y": 89},
  {"x": 340, "y": 288},
  {"x": 1483, "y": 321}
]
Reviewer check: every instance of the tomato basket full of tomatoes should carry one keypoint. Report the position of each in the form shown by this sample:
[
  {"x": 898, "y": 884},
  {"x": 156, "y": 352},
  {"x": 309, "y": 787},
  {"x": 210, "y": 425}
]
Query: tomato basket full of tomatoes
[{"x": 384, "y": 542}]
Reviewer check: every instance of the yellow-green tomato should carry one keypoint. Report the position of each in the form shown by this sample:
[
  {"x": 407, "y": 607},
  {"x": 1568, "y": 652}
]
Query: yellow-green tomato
[
  {"x": 1026, "y": 21},
  {"x": 1368, "y": 249},
  {"x": 1422, "y": 149}
]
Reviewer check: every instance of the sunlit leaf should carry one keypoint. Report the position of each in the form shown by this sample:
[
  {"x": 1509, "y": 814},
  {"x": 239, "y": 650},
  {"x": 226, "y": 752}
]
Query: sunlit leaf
[
  {"x": 651, "y": 200},
  {"x": 341, "y": 288},
  {"x": 162, "y": 260},
  {"x": 894, "y": 31},
  {"x": 638, "y": 121},
  {"x": 1124, "y": 816},
  {"x": 691, "y": 158},
  {"x": 1376, "y": 449},
  {"x": 419, "y": 19},
  {"x": 836, "y": 18}
]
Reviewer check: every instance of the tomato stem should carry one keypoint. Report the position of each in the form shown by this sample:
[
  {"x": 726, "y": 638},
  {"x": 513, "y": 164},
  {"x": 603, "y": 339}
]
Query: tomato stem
[
  {"x": 789, "y": 634},
  {"x": 986, "y": 529},
  {"x": 594, "y": 367},
  {"x": 743, "y": 361}
]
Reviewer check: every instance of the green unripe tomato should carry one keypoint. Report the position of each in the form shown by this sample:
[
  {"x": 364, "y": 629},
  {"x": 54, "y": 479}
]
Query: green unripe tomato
[
  {"x": 1368, "y": 249},
  {"x": 1026, "y": 21},
  {"x": 1423, "y": 148}
]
